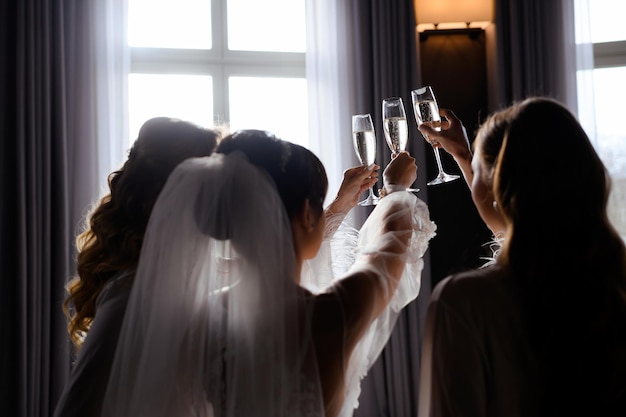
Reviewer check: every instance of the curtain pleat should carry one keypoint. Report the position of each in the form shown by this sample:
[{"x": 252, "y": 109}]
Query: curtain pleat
[
  {"x": 35, "y": 235},
  {"x": 330, "y": 101},
  {"x": 49, "y": 119},
  {"x": 536, "y": 50},
  {"x": 9, "y": 230}
]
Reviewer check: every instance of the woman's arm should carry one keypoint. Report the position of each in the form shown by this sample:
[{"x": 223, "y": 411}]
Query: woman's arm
[
  {"x": 355, "y": 181},
  {"x": 453, "y": 139},
  {"x": 344, "y": 312},
  {"x": 452, "y": 376}
]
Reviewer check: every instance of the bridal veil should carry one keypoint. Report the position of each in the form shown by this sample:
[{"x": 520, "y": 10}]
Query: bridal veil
[{"x": 216, "y": 325}]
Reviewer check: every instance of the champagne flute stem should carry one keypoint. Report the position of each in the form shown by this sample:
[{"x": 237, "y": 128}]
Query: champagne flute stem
[
  {"x": 371, "y": 200},
  {"x": 438, "y": 159}
]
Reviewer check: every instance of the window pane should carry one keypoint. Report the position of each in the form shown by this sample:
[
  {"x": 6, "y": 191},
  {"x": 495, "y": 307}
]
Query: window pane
[
  {"x": 611, "y": 138},
  {"x": 607, "y": 20},
  {"x": 279, "y": 105},
  {"x": 187, "y": 97},
  {"x": 270, "y": 25},
  {"x": 608, "y": 105},
  {"x": 169, "y": 24}
]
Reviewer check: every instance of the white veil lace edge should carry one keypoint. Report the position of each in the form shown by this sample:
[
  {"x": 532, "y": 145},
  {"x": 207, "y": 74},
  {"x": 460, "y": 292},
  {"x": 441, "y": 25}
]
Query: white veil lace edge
[{"x": 340, "y": 252}]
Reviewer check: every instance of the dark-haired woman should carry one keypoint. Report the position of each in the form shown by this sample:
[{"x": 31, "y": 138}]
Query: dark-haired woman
[
  {"x": 542, "y": 331},
  {"x": 108, "y": 252}
]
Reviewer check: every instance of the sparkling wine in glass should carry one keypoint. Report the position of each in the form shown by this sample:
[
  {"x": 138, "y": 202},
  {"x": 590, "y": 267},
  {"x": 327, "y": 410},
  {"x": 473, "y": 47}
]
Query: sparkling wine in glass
[
  {"x": 364, "y": 140},
  {"x": 395, "y": 126},
  {"x": 427, "y": 112}
]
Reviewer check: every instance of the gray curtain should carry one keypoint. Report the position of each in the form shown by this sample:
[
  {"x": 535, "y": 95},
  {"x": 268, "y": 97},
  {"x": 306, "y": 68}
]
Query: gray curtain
[
  {"x": 46, "y": 120},
  {"x": 536, "y": 50},
  {"x": 385, "y": 64}
]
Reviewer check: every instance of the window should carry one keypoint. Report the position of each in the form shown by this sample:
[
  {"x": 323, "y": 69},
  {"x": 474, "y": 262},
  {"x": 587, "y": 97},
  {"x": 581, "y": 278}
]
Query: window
[
  {"x": 608, "y": 34},
  {"x": 238, "y": 62}
]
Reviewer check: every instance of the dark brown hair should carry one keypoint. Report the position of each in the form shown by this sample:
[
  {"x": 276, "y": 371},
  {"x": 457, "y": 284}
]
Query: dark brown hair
[
  {"x": 563, "y": 253},
  {"x": 112, "y": 239},
  {"x": 298, "y": 174}
]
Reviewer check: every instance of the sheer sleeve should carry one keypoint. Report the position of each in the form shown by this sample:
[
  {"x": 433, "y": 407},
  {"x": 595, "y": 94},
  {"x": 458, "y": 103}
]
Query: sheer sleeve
[{"x": 367, "y": 250}]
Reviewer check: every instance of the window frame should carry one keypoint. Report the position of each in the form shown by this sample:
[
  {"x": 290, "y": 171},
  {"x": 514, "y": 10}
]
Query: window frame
[
  {"x": 609, "y": 54},
  {"x": 219, "y": 62}
]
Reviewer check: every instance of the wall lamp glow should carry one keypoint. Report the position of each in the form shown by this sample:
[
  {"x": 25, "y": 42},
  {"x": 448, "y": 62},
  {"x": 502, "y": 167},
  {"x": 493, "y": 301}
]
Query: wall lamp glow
[{"x": 435, "y": 15}]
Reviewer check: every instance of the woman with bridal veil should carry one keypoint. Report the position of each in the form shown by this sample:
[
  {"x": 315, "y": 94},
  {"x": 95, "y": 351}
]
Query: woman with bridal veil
[{"x": 219, "y": 322}]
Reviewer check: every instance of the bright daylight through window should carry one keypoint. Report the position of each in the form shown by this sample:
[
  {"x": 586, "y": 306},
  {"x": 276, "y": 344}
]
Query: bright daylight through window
[
  {"x": 239, "y": 62},
  {"x": 607, "y": 129}
]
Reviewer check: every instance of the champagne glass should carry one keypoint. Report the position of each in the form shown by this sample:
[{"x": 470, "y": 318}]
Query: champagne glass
[
  {"x": 427, "y": 112},
  {"x": 395, "y": 126},
  {"x": 364, "y": 140}
]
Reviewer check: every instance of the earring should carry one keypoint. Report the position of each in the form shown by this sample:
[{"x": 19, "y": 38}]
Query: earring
[{"x": 495, "y": 205}]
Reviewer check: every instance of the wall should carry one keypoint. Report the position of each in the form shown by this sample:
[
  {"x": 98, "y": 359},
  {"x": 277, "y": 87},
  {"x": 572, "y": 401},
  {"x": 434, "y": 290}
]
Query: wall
[{"x": 455, "y": 65}]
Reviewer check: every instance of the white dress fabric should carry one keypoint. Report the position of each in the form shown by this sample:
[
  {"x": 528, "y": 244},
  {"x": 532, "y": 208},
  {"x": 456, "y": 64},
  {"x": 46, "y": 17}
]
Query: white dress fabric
[{"x": 339, "y": 252}]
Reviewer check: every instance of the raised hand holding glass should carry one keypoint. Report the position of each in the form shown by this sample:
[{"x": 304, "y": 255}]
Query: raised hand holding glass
[
  {"x": 364, "y": 141},
  {"x": 396, "y": 126},
  {"x": 427, "y": 112}
]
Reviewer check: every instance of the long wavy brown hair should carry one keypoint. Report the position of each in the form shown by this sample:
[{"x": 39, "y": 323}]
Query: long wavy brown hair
[{"x": 111, "y": 240}]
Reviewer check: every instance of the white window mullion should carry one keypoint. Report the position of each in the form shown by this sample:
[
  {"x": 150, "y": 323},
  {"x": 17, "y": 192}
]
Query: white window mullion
[
  {"x": 220, "y": 96},
  {"x": 270, "y": 73},
  {"x": 609, "y": 54}
]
